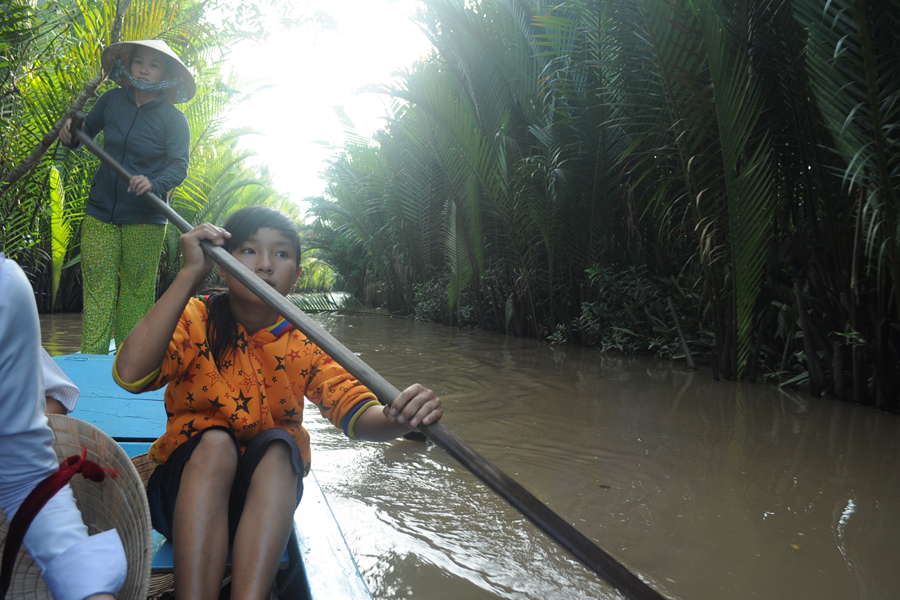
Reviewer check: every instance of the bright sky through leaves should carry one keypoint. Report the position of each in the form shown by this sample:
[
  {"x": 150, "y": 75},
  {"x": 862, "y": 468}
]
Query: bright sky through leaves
[{"x": 314, "y": 70}]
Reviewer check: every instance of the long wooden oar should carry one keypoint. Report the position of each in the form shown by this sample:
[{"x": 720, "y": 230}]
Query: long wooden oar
[{"x": 604, "y": 565}]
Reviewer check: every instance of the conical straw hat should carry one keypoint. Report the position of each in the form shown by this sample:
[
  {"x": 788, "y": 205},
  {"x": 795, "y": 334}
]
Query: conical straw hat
[
  {"x": 122, "y": 51},
  {"x": 115, "y": 503}
]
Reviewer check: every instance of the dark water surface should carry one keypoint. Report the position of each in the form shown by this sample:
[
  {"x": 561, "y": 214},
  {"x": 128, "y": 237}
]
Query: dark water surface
[{"x": 705, "y": 489}]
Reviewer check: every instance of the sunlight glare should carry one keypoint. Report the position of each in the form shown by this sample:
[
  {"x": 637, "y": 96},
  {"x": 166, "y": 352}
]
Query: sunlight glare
[{"x": 312, "y": 70}]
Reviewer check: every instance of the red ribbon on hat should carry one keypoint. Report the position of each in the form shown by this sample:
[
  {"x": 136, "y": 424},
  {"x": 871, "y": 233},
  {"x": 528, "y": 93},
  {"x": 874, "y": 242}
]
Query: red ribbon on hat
[{"x": 36, "y": 500}]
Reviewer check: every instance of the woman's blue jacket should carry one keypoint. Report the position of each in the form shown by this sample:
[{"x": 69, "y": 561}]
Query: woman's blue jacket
[{"x": 152, "y": 140}]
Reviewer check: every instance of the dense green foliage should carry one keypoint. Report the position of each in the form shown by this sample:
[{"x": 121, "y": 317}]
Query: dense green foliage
[
  {"x": 49, "y": 68},
  {"x": 568, "y": 169}
]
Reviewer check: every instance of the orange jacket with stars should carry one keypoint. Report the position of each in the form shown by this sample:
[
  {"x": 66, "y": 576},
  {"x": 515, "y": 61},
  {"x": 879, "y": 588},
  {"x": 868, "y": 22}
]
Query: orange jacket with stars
[{"x": 261, "y": 386}]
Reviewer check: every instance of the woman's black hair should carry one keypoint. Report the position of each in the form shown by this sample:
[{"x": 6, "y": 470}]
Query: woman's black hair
[{"x": 221, "y": 328}]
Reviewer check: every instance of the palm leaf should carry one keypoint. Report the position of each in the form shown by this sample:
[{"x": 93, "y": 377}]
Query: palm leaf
[
  {"x": 314, "y": 303},
  {"x": 853, "y": 56},
  {"x": 60, "y": 231},
  {"x": 748, "y": 177}
]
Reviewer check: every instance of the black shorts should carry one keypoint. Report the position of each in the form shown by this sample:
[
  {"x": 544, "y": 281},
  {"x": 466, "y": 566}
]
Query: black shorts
[{"x": 162, "y": 489}]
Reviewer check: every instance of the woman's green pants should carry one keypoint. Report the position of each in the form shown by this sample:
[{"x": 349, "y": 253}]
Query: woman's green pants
[{"x": 119, "y": 265}]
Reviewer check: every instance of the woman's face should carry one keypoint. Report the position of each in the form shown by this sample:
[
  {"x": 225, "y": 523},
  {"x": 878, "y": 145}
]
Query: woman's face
[{"x": 148, "y": 65}]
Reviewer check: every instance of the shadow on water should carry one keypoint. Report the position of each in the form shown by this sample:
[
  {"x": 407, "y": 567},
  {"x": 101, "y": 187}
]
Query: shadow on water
[{"x": 705, "y": 489}]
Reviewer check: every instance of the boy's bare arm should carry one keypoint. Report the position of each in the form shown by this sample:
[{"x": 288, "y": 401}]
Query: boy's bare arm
[
  {"x": 144, "y": 348},
  {"x": 416, "y": 404},
  {"x": 55, "y": 407}
]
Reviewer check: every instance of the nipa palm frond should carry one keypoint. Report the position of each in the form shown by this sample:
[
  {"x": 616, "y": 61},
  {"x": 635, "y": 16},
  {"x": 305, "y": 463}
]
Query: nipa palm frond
[{"x": 748, "y": 176}]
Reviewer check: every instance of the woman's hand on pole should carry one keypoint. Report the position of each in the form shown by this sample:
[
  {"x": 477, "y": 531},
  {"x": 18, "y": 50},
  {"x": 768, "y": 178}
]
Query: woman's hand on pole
[
  {"x": 139, "y": 184},
  {"x": 65, "y": 132}
]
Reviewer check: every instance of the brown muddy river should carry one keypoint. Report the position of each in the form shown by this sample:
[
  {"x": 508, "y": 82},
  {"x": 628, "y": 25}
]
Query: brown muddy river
[{"x": 706, "y": 490}]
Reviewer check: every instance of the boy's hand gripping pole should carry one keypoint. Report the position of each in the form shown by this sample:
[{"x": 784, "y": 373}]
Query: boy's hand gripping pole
[{"x": 591, "y": 555}]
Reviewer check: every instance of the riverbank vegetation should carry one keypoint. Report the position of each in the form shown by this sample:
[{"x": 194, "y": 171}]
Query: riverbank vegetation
[
  {"x": 566, "y": 170},
  {"x": 604, "y": 173}
]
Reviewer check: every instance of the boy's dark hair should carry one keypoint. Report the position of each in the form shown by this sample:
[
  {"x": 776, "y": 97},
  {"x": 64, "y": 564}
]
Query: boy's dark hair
[
  {"x": 244, "y": 223},
  {"x": 221, "y": 328}
]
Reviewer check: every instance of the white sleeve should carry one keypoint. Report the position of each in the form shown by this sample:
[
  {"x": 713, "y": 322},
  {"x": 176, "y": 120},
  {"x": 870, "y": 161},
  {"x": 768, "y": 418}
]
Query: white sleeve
[{"x": 57, "y": 384}]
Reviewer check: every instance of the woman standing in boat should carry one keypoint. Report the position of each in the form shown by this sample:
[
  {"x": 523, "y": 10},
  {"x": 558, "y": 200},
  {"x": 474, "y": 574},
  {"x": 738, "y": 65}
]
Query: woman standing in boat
[
  {"x": 122, "y": 235},
  {"x": 236, "y": 374}
]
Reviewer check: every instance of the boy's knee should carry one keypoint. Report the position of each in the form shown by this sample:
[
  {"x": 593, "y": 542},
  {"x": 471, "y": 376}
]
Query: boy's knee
[
  {"x": 216, "y": 445},
  {"x": 278, "y": 458},
  {"x": 280, "y": 451}
]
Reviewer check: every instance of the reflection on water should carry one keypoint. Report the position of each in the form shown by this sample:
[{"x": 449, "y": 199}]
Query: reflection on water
[
  {"x": 705, "y": 489},
  {"x": 61, "y": 333}
]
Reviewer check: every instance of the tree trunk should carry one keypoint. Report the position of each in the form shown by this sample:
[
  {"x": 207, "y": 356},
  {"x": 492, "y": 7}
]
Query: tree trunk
[{"x": 816, "y": 380}]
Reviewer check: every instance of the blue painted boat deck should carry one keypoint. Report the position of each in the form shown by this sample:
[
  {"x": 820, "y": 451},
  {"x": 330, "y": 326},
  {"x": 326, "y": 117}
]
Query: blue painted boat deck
[
  {"x": 121, "y": 414},
  {"x": 135, "y": 420}
]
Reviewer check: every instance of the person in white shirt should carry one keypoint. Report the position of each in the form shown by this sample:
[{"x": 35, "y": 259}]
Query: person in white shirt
[{"x": 74, "y": 565}]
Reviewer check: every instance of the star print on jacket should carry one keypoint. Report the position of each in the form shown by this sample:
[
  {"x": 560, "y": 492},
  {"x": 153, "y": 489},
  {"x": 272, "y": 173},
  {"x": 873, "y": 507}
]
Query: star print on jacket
[
  {"x": 188, "y": 430},
  {"x": 242, "y": 403},
  {"x": 200, "y": 395},
  {"x": 203, "y": 349}
]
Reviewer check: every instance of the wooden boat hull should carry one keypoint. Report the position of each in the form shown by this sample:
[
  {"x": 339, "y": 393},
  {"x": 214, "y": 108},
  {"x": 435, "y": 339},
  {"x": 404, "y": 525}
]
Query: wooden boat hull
[{"x": 320, "y": 565}]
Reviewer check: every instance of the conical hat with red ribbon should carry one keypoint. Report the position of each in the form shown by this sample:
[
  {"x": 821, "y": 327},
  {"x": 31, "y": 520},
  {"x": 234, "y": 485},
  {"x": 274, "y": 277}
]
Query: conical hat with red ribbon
[{"x": 115, "y": 503}]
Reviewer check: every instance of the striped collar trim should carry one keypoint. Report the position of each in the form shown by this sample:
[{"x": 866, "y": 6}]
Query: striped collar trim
[{"x": 280, "y": 327}]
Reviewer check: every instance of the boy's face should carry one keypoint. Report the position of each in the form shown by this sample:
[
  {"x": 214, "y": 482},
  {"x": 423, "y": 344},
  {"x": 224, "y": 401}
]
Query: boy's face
[
  {"x": 271, "y": 257},
  {"x": 148, "y": 65}
]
